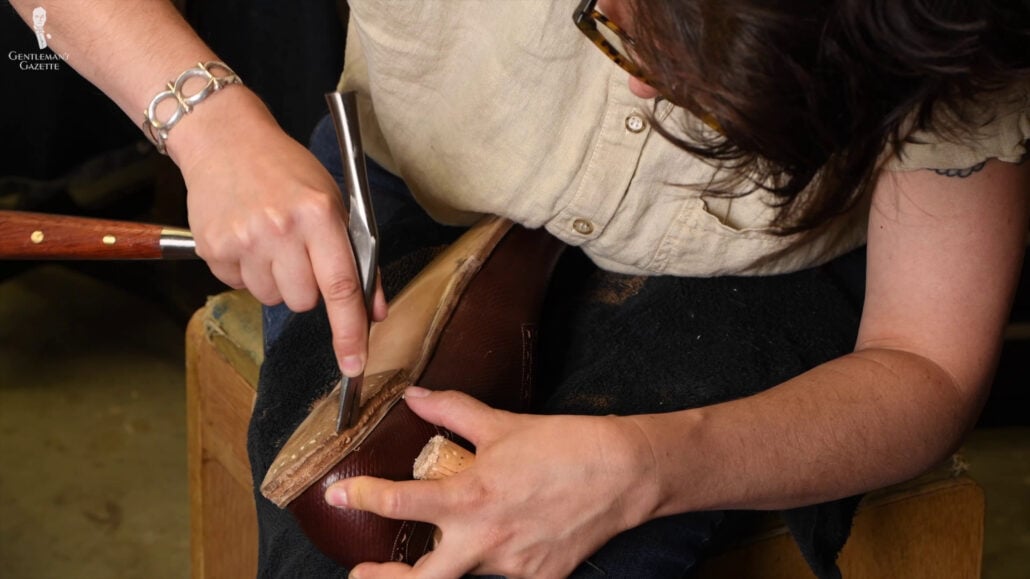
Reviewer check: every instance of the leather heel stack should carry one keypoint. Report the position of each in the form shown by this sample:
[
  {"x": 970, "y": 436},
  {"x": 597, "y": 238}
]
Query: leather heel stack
[{"x": 468, "y": 322}]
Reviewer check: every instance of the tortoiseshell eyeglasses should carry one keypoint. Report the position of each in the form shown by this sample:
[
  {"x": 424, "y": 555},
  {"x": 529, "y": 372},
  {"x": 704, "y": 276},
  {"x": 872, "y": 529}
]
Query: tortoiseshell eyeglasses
[{"x": 602, "y": 31}]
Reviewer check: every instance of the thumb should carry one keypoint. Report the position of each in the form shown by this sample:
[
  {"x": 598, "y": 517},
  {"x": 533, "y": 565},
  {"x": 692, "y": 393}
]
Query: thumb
[{"x": 462, "y": 414}]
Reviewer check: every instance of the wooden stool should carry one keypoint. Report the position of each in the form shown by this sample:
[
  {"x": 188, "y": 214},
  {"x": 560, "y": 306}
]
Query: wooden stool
[
  {"x": 223, "y": 353},
  {"x": 930, "y": 527}
]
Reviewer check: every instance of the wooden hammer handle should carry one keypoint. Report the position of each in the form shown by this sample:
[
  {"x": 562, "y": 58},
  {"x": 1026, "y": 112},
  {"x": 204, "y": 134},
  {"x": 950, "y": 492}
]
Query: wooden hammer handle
[{"x": 25, "y": 235}]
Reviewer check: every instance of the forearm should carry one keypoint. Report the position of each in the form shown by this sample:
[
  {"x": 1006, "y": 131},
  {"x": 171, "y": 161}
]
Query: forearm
[
  {"x": 943, "y": 260},
  {"x": 848, "y": 426}
]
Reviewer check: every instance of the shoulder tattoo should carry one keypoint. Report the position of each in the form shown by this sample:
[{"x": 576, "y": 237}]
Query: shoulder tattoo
[{"x": 961, "y": 173}]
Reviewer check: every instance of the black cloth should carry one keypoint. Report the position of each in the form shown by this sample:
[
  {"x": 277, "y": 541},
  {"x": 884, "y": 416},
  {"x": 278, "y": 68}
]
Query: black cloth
[
  {"x": 624, "y": 345},
  {"x": 610, "y": 344}
]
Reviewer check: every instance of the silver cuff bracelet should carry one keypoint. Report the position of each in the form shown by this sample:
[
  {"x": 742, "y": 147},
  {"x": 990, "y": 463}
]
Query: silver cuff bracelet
[{"x": 156, "y": 130}]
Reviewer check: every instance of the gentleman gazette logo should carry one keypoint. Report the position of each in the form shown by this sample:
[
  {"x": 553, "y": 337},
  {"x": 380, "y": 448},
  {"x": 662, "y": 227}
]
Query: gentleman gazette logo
[
  {"x": 36, "y": 60},
  {"x": 44, "y": 59}
]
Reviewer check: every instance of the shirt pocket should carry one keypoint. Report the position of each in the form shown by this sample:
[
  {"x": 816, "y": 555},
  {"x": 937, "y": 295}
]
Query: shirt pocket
[
  {"x": 718, "y": 236},
  {"x": 739, "y": 215}
]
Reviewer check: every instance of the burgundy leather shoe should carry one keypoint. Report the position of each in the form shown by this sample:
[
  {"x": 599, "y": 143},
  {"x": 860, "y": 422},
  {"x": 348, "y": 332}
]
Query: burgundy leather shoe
[{"x": 467, "y": 322}]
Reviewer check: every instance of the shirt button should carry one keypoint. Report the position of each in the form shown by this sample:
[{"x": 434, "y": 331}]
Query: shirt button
[
  {"x": 635, "y": 123},
  {"x": 583, "y": 227}
]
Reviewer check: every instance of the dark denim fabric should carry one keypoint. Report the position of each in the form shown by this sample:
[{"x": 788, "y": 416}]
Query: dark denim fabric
[{"x": 610, "y": 344}]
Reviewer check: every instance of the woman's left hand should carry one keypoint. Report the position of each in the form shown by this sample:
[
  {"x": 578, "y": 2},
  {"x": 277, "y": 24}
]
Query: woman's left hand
[{"x": 543, "y": 493}]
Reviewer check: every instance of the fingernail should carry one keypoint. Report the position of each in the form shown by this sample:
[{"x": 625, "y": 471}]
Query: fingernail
[
  {"x": 352, "y": 366},
  {"x": 336, "y": 497},
  {"x": 416, "y": 392}
]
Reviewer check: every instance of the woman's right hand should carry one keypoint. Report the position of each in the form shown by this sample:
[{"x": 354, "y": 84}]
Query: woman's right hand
[{"x": 267, "y": 216}]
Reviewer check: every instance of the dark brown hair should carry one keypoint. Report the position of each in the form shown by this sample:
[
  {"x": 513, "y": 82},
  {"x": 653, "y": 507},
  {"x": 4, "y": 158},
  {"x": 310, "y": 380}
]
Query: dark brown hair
[{"x": 811, "y": 92}]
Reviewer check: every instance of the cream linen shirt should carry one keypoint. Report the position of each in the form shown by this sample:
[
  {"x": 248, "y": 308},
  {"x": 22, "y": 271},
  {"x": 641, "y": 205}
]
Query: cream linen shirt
[{"x": 504, "y": 107}]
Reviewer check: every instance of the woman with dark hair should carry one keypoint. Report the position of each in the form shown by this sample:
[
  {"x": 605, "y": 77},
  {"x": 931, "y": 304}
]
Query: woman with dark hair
[
  {"x": 721, "y": 176},
  {"x": 788, "y": 133}
]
